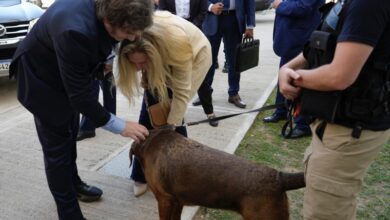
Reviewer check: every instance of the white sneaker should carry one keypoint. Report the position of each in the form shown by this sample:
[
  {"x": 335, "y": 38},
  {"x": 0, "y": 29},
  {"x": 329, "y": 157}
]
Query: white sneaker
[{"x": 139, "y": 188}]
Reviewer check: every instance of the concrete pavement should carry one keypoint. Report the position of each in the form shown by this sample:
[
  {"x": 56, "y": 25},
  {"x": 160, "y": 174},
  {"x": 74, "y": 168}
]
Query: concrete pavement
[{"x": 103, "y": 160}]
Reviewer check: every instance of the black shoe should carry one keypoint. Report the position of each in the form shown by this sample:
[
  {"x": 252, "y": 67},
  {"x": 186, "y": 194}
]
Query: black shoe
[
  {"x": 85, "y": 134},
  {"x": 274, "y": 118},
  {"x": 88, "y": 193},
  {"x": 216, "y": 65},
  {"x": 212, "y": 122},
  {"x": 225, "y": 68},
  {"x": 298, "y": 133},
  {"x": 236, "y": 100},
  {"x": 196, "y": 102}
]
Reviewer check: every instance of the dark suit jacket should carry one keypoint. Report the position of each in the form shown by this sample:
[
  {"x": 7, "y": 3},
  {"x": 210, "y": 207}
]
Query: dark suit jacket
[
  {"x": 55, "y": 60},
  {"x": 198, "y": 10},
  {"x": 245, "y": 14},
  {"x": 295, "y": 20}
]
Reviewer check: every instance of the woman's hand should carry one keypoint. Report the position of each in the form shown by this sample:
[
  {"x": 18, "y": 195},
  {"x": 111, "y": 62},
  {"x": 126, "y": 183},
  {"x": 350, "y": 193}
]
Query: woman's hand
[{"x": 135, "y": 131}]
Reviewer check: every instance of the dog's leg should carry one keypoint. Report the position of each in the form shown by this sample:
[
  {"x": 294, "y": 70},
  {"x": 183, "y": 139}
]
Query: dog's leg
[
  {"x": 168, "y": 209},
  {"x": 270, "y": 208},
  {"x": 176, "y": 212}
]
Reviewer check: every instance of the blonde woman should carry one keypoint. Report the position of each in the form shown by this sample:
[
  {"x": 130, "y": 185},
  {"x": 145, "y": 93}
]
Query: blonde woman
[{"x": 174, "y": 57}]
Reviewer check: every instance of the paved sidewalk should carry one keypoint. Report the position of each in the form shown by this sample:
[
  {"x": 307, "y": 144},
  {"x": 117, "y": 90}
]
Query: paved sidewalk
[{"x": 103, "y": 160}]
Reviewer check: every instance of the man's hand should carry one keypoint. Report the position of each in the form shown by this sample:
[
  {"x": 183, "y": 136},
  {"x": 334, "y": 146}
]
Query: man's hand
[
  {"x": 248, "y": 33},
  {"x": 275, "y": 4},
  {"x": 217, "y": 8},
  {"x": 135, "y": 131},
  {"x": 287, "y": 76}
]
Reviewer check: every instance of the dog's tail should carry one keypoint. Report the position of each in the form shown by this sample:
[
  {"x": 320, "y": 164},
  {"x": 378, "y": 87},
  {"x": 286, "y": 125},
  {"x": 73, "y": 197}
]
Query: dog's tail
[{"x": 291, "y": 181}]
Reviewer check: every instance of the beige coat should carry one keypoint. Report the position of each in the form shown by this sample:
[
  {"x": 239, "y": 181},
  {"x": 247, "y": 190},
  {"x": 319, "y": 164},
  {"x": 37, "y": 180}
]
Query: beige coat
[{"x": 185, "y": 79}]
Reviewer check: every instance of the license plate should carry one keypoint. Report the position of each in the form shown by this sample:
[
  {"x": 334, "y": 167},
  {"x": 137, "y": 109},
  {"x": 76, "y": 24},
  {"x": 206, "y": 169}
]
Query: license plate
[{"x": 4, "y": 66}]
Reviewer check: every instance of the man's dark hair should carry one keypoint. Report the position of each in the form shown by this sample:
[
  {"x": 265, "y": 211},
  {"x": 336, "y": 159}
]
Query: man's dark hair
[{"x": 126, "y": 14}]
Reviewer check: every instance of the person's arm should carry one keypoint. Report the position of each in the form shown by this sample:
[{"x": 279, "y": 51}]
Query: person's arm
[
  {"x": 199, "y": 18},
  {"x": 73, "y": 51},
  {"x": 180, "y": 61},
  {"x": 250, "y": 17},
  {"x": 347, "y": 63},
  {"x": 75, "y": 55},
  {"x": 299, "y": 9}
]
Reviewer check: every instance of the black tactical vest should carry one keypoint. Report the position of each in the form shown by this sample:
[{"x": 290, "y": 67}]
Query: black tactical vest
[{"x": 363, "y": 105}]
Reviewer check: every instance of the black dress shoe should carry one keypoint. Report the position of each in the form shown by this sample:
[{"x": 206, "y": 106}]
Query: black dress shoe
[
  {"x": 88, "y": 193},
  {"x": 274, "y": 118},
  {"x": 212, "y": 122},
  {"x": 298, "y": 133},
  {"x": 83, "y": 134},
  {"x": 196, "y": 102},
  {"x": 225, "y": 67},
  {"x": 236, "y": 100}
]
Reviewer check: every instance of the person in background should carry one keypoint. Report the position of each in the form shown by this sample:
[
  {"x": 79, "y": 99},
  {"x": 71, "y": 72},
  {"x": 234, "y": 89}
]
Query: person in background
[
  {"x": 356, "y": 68},
  {"x": 193, "y": 11},
  {"x": 55, "y": 67},
  {"x": 173, "y": 56},
  {"x": 295, "y": 20},
  {"x": 230, "y": 20},
  {"x": 107, "y": 85}
]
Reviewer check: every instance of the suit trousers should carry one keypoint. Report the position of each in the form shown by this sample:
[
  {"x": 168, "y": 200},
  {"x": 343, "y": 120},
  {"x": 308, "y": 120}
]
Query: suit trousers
[
  {"x": 137, "y": 174},
  {"x": 109, "y": 99},
  {"x": 334, "y": 170},
  {"x": 59, "y": 151},
  {"x": 228, "y": 30}
]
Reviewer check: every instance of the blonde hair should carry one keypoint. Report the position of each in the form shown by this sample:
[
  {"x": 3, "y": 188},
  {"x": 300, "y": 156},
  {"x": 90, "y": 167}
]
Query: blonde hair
[{"x": 164, "y": 49}]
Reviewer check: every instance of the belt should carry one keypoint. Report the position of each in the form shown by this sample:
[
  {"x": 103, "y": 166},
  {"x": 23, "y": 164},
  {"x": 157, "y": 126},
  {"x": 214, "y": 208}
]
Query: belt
[{"x": 227, "y": 12}]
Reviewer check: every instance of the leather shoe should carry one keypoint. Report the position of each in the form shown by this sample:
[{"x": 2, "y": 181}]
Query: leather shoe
[
  {"x": 83, "y": 134},
  {"x": 236, "y": 100},
  {"x": 298, "y": 133},
  {"x": 225, "y": 68},
  {"x": 212, "y": 122},
  {"x": 139, "y": 188},
  {"x": 88, "y": 193},
  {"x": 196, "y": 102},
  {"x": 274, "y": 118}
]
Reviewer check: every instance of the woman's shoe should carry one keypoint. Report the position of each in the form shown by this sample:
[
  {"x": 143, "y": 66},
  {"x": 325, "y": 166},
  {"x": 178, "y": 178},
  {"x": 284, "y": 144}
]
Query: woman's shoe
[
  {"x": 139, "y": 188},
  {"x": 212, "y": 122}
]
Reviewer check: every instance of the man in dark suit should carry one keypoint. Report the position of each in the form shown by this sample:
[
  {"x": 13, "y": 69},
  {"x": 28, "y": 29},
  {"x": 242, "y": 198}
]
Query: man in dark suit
[
  {"x": 295, "y": 20},
  {"x": 229, "y": 19},
  {"x": 54, "y": 66},
  {"x": 192, "y": 10}
]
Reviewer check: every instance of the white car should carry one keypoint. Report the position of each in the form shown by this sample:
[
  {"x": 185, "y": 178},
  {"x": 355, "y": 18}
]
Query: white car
[{"x": 16, "y": 19}]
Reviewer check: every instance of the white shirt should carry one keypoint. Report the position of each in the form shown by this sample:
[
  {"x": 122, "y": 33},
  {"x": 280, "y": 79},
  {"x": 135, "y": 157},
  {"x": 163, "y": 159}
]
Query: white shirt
[{"x": 182, "y": 8}]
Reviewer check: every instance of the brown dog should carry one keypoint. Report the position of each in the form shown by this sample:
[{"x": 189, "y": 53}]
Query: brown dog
[{"x": 181, "y": 171}]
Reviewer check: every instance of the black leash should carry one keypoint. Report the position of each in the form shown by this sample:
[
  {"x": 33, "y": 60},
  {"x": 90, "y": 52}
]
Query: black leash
[
  {"x": 288, "y": 126},
  {"x": 264, "y": 108}
]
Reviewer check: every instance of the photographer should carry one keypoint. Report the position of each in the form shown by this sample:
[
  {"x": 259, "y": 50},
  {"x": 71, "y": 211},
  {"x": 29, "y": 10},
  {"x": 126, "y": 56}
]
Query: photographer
[{"x": 353, "y": 75}]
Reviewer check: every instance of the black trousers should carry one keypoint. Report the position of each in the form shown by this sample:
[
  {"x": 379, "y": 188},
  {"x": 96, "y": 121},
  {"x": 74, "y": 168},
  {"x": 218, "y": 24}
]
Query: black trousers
[
  {"x": 59, "y": 151},
  {"x": 204, "y": 92}
]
